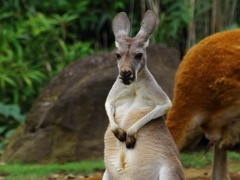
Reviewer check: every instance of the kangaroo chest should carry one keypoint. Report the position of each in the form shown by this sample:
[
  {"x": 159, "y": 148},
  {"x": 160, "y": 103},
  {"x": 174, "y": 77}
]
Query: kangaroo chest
[{"x": 132, "y": 105}]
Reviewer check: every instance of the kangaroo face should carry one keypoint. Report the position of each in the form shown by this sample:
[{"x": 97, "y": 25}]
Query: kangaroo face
[{"x": 131, "y": 59}]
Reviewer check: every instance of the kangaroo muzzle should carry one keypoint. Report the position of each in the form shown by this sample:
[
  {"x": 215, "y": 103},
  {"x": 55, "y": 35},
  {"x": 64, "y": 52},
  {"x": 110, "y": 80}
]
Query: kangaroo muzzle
[{"x": 127, "y": 76}]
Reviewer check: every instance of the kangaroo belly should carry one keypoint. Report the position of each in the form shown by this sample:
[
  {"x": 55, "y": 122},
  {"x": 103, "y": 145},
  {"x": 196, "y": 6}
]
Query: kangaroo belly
[{"x": 148, "y": 156}]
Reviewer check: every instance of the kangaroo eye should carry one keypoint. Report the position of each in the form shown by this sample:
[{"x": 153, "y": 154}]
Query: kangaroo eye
[
  {"x": 118, "y": 56},
  {"x": 138, "y": 56}
]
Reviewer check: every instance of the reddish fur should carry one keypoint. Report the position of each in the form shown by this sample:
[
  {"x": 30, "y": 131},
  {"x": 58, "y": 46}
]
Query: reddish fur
[{"x": 208, "y": 80}]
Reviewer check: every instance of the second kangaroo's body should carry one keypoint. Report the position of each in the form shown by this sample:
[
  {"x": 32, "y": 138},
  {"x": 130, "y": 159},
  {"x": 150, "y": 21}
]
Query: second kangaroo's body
[{"x": 138, "y": 145}]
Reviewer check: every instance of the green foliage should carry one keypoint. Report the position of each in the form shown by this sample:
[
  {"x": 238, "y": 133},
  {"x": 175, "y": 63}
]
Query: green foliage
[
  {"x": 172, "y": 21},
  {"x": 34, "y": 47},
  {"x": 180, "y": 19}
]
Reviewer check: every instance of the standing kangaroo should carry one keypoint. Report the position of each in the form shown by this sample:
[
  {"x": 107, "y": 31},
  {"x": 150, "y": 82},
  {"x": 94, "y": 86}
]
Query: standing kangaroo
[
  {"x": 135, "y": 106},
  {"x": 207, "y": 95}
]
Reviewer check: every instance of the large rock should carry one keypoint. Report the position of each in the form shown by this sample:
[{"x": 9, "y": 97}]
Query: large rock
[{"x": 68, "y": 120}]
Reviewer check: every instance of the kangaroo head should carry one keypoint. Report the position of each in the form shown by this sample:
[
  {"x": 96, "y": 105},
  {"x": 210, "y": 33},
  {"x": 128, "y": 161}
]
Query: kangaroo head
[{"x": 131, "y": 54}]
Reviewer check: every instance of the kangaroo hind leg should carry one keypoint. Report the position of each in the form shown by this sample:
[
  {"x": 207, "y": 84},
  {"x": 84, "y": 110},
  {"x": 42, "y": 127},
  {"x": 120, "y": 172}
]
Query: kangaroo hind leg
[
  {"x": 171, "y": 173},
  {"x": 106, "y": 176},
  {"x": 220, "y": 164}
]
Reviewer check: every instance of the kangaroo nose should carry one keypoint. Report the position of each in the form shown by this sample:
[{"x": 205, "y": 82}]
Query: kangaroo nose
[{"x": 126, "y": 74}]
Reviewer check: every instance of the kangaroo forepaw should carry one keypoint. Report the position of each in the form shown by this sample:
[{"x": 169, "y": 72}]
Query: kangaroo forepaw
[
  {"x": 120, "y": 134},
  {"x": 130, "y": 141}
]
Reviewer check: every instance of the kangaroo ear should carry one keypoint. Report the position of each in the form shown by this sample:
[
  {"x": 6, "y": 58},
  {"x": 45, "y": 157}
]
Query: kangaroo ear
[
  {"x": 148, "y": 25},
  {"x": 120, "y": 26}
]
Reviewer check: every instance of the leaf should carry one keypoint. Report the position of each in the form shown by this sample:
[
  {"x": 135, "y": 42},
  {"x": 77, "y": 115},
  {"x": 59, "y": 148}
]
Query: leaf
[
  {"x": 6, "y": 15},
  {"x": 9, "y": 132},
  {"x": 67, "y": 17},
  {"x": 27, "y": 80},
  {"x": 119, "y": 5},
  {"x": 63, "y": 46},
  {"x": 7, "y": 79},
  {"x": 12, "y": 109},
  {"x": 175, "y": 7},
  {"x": 2, "y": 129},
  {"x": 2, "y": 108},
  {"x": 185, "y": 18}
]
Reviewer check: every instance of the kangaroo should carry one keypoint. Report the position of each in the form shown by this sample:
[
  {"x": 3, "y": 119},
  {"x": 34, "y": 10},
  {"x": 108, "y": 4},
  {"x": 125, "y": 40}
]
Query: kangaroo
[
  {"x": 207, "y": 95},
  {"x": 135, "y": 106}
]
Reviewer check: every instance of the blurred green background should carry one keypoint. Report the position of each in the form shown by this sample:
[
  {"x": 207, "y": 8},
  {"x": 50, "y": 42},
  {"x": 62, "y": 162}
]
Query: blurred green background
[{"x": 39, "y": 38}]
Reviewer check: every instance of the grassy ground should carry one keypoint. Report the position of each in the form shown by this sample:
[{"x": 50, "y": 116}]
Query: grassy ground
[
  {"x": 199, "y": 159},
  {"x": 44, "y": 172}
]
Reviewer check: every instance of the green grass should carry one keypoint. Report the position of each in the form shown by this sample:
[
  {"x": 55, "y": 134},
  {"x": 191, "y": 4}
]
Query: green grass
[
  {"x": 199, "y": 159},
  {"x": 196, "y": 159},
  {"x": 42, "y": 171},
  {"x": 38, "y": 171}
]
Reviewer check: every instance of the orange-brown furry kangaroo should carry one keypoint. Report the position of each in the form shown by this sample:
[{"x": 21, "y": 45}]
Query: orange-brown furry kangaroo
[{"x": 207, "y": 94}]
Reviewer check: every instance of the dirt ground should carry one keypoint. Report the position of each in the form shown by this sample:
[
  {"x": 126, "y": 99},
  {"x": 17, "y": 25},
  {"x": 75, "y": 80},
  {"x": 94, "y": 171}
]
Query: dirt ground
[
  {"x": 190, "y": 173},
  {"x": 204, "y": 173}
]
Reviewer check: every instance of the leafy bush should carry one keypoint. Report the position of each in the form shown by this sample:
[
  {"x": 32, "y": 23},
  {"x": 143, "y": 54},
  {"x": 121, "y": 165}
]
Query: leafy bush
[{"x": 34, "y": 47}]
